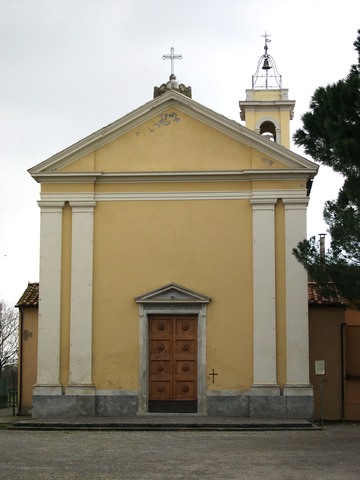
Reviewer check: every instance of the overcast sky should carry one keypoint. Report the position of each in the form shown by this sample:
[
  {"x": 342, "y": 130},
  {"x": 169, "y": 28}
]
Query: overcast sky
[{"x": 70, "y": 67}]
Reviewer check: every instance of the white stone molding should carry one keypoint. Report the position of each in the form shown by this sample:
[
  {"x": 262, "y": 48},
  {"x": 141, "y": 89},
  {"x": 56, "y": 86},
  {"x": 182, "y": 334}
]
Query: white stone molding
[
  {"x": 264, "y": 347},
  {"x": 297, "y": 349},
  {"x": 278, "y": 136},
  {"x": 267, "y": 118},
  {"x": 176, "y": 196},
  {"x": 289, "y": 172},
  {"x": 80, "y": 371},
  {"x": 48, "y": 370}
]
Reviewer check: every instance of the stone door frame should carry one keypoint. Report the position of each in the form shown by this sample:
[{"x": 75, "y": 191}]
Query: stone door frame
[{"x": 171, "y": 300}]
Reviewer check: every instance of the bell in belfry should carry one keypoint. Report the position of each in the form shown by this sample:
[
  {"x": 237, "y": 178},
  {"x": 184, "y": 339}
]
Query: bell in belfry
[{"x": 266, "y": 65}]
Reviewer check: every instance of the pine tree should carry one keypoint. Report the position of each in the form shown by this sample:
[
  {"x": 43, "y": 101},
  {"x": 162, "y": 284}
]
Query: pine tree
[{"x": 331, "y": 136}]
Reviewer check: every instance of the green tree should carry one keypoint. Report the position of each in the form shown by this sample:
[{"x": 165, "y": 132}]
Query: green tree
[{"x": 331, "y": 136}]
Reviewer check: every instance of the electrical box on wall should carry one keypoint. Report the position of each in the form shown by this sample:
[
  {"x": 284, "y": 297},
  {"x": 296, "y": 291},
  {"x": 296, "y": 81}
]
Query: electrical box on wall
[{"x": 319, "y": 367}]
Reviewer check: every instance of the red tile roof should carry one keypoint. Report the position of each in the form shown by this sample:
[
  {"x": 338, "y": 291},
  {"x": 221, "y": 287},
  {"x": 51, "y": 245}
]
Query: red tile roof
[
  {"x": 30, "y": 298},
  {"x": 327, "y": 295}
]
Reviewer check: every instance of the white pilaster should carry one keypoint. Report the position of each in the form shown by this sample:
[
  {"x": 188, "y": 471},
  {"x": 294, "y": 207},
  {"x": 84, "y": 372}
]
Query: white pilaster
[
  {"x": 297, "y": 350},
  {"x": 265, "y": 381},
  {"x": 48, "y": 370},
  {"x": 80, "y": 372}
]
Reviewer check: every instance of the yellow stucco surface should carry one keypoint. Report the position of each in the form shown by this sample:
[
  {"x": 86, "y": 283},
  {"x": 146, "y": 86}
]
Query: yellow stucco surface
[
  {"x": 87, "y": 187},
  {"x": 140, "y": 246},
  {"x": 84, "y": 164},
  {"x": 169, "y": 132}
]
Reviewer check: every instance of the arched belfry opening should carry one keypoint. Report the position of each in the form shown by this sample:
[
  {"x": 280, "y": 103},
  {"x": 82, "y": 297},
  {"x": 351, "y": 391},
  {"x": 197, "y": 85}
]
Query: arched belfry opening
[
  {"x": 267, "y": 109},
  {"x": 268, "y": 130}
]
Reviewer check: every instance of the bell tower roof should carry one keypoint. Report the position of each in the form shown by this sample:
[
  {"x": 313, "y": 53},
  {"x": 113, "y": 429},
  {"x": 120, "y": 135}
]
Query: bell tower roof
[{"x": 266, "y": 75}]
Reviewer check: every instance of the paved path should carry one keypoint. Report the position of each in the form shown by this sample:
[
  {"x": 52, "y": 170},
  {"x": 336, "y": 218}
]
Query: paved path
[{"x": 332, "y": 453}]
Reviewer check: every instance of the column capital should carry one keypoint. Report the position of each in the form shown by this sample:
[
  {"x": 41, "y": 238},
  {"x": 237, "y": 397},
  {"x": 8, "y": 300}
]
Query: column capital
[
  {"x": 82, "y": 206},
  {"x": 295, "y": 203},
  {"x": 51, "y": 206},
  {"x": 263, "y": 203}
]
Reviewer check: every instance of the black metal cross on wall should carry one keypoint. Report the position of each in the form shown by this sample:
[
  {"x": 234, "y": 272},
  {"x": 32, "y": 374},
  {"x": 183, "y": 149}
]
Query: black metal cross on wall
[{"x": 213, "y": 374}]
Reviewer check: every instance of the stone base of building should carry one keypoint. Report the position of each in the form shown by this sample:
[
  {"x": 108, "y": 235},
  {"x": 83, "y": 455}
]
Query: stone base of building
[
  {"x": 297, "y": 405},
  {"x": 83, "y": 405},
  {"x": 288, "y": 404}
]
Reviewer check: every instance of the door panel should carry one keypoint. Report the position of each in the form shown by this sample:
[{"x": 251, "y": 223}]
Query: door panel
[{"x": 173, "y": 358}]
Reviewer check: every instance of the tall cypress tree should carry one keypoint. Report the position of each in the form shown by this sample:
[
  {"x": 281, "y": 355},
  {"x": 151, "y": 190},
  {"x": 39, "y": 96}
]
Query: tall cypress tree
[{"x": 331, "y": 136}]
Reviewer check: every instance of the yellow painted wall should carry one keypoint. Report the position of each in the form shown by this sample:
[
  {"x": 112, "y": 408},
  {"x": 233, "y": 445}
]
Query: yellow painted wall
[
  {"x": 28, "y": 356},
  {"x": 84, "y": 164},
  {"x": 140, "y": 246},
  {"x": 67, "y": 187},
  {"x": 171, "y": 131}
]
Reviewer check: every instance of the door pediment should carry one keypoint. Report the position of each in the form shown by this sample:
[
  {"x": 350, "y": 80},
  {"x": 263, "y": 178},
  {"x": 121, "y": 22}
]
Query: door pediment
[{"x": 172, "y": 293}]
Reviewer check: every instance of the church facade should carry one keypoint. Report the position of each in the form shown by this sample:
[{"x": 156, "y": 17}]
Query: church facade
[{"x": 167, "y": 280}]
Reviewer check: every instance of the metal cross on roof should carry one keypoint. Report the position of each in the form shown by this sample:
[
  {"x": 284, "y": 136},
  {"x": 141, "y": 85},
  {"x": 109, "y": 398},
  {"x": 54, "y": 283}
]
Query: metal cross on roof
[
  {"x": 267, "y": 40},
  {"x": 172, "y": 57}
]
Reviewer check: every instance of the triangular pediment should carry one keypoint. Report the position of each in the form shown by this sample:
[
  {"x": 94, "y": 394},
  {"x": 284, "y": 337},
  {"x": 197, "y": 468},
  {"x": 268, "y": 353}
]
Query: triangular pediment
[
  {"x": 127, "y": 145},
  {"x": 172, "y": 293}
]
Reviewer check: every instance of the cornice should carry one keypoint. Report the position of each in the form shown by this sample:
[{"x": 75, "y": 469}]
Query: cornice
[
  {"x": 66, "y": 177},
  {"x": 289, "y": 197},
  {"x": 205, "y": 176},
  {"x": 170, "y": 177}
]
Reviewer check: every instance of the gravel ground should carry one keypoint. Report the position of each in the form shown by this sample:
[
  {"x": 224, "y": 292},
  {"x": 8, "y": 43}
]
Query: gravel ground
[{"x": 333, "y": 453}]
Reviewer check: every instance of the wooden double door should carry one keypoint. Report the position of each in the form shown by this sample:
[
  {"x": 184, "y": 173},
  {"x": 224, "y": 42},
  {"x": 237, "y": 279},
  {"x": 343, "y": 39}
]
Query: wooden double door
[{"x": 173, "y": 365}]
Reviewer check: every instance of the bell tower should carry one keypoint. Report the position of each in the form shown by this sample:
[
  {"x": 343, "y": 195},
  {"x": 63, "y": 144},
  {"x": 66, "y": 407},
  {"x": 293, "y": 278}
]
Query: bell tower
[{"x": 267, "y": 109}]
